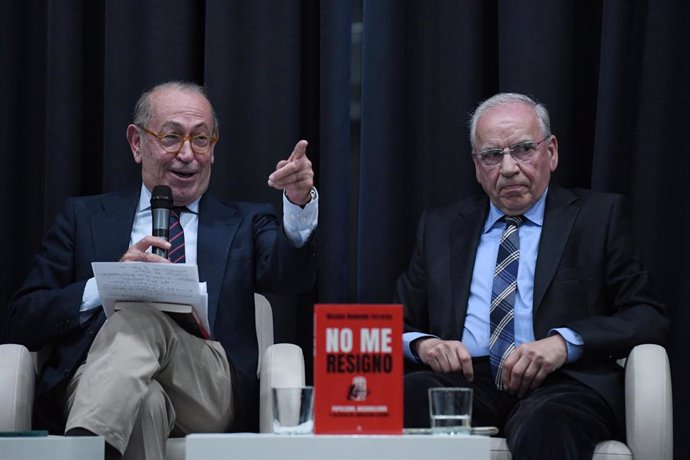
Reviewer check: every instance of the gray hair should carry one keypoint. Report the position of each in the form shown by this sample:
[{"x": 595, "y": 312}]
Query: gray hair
[
  {"x": 509, "y": 98},
  {"x": 143, "y": 110}
]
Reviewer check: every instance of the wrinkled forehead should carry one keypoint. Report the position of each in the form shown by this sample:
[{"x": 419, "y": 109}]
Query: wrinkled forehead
[
  {"x": 507, "y": 122},
  {"x": 182, "y": 107}
]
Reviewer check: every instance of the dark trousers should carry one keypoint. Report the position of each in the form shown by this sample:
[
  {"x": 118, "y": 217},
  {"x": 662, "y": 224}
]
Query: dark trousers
[{"x": 562, "y": 419}]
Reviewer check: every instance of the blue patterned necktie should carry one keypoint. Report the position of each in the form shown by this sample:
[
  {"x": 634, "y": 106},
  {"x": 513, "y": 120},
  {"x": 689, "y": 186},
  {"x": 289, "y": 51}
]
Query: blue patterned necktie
[
  {"x": 502, "y": 341},
  {"x": 176, "y": 254}
]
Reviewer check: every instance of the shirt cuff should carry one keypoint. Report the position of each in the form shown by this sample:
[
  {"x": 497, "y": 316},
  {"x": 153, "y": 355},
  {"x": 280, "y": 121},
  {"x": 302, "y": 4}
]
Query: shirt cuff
[
  {"x": 408, "y": 338},
  {"x": 90, "y": 300},
  {"x": 573, "y": 342},
  {"x": 299, "y": 222}
]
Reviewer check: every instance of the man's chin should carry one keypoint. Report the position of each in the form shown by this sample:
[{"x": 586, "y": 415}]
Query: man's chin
[
  {"x": 184, "y": 197},
  {"x": 514, "y": 206}
]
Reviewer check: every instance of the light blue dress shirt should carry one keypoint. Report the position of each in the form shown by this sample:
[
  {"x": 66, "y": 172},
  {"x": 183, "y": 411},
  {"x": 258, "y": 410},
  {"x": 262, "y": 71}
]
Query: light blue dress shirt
[{"x": 476, "y": 333}]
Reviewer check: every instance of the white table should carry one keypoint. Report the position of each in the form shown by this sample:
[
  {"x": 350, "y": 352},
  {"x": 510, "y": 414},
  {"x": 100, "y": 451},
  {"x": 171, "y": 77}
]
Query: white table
[
  {"x": 253, "y": 446},
  {"x": 51, "y": 448}
]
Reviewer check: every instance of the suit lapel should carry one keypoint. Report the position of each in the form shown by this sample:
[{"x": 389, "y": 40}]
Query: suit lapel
[
  {"x": 559, "y": 218},
  {"x": 465, "y": 233},
  {"x": 218, "y": 224},
  {"x": 111, "y": 228}
]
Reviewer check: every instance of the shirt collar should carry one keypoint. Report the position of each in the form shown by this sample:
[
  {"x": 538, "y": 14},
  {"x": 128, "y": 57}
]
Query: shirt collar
[
  {"x": 145, "y": 201},
  {"x": 535, "y": 214}
]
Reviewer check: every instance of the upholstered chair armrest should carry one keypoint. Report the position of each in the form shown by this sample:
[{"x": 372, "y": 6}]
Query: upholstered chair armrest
[
  {"x": 282, "y": 366},
  {"x": 649, "y": 403},
  {"x": 264, "y": 326},
  {"x": 17, "y": 380}
]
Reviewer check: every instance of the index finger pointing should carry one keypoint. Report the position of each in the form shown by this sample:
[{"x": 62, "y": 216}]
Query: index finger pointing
[{"x": 300, "y": 150}]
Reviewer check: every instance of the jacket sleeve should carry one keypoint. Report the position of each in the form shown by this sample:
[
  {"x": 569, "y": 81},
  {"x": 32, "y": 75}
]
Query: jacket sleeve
[
  {"x": 635, "y": 315},
  {"x": 47, "y": 305}
]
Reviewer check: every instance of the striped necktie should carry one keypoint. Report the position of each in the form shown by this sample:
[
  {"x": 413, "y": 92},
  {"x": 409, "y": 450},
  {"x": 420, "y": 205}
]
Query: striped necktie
[
  {"x": 176, "y": 254},
  {"x": 502, "y": 341}
]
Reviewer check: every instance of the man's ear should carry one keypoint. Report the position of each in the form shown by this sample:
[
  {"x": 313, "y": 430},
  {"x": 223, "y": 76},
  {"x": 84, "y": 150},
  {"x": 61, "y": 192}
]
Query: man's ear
[
  {"x": 134, "y": 140},
  {"x": 553, "y": 153}
]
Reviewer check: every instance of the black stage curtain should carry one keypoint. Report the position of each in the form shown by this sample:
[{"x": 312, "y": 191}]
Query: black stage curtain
[{"x": 381, "y": 89}]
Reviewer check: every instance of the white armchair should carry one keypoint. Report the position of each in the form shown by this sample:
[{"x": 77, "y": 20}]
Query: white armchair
[
  {"x": 648, "y": 411},
  {"x": 279, "y": 365}
]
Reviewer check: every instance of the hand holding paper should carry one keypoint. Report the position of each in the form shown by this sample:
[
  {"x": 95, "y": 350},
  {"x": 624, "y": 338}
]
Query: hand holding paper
[{"x": 152, "y": 283}]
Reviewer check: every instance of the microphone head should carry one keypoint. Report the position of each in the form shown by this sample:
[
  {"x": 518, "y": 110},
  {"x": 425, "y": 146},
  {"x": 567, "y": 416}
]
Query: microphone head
[{"x": 161, "y": 197}]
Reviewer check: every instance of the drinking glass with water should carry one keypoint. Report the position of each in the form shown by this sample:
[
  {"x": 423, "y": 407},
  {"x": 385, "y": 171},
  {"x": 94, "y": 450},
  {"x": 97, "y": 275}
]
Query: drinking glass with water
[{"x": 450, "y": 410}]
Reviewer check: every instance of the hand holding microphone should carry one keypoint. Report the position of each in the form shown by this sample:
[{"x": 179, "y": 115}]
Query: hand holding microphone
[{"x": 161, "y": 204}]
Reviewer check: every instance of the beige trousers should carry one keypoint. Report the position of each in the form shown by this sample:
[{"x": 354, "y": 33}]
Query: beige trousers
[{"x": 145, "y": 378}]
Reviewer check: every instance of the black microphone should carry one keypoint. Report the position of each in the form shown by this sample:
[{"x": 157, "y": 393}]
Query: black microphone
[{"x": 161, "y": 204}]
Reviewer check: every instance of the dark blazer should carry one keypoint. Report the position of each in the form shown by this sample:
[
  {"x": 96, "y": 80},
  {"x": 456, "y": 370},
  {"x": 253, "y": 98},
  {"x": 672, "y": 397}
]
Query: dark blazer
[
  {"x": 241, "y": 249},
  {"x": 588, "y": 277}
]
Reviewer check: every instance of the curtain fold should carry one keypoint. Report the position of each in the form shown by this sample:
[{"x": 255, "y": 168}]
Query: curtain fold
[{"x": 337, "y": 163}]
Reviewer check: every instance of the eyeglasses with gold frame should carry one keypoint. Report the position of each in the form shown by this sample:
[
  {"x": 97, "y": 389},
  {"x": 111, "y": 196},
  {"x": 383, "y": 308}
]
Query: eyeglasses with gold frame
[{"x": 173, "y": 142}]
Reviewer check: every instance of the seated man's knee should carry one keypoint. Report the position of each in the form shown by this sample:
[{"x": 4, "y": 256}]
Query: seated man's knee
[
  {"x": 137, "y": 315},
  {"x": 542, "y": 431},
  {"x": 137, "y": 323}
]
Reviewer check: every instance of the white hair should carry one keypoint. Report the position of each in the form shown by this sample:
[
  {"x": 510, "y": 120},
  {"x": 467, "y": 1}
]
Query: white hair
[{"x": 509, "y": 98}]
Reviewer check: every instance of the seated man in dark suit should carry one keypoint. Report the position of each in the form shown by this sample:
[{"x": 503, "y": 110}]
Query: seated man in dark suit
[
  {"x": 138, "y": 376},
  {"x": 528, "y": 295}
]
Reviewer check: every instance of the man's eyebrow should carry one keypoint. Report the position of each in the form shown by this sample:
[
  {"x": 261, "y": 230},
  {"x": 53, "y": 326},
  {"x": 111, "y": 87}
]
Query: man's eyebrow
[
  {"x": 178, "y": 126},
  {"x": 524, "y": 141}
]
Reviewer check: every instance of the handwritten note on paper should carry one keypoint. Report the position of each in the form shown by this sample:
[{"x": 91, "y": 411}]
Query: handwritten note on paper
[{"x": 147, "y": 282}]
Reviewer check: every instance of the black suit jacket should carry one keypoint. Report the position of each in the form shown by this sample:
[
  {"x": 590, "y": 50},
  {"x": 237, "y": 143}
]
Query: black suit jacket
[
  {"x": 241, "y": 249},
  {"x": 588, "y": 277}
]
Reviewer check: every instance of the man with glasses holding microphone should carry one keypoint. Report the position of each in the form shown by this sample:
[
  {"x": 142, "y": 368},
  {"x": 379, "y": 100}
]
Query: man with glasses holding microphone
[
  {"x": 138, "y": 377},
  {"x": 528, "y": 294}
]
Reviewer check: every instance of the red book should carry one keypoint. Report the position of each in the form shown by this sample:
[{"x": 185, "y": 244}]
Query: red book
[{"x": 358, "y": 369}]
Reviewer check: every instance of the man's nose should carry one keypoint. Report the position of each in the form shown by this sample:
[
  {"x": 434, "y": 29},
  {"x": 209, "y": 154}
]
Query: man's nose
[
  {"x": 509, "y": 166},
  {"x": 186, "y": 153}
]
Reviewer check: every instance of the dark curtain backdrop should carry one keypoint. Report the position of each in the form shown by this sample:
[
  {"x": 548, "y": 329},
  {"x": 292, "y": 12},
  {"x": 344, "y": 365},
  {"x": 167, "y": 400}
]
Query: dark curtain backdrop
[{"x": 382, "y": 90}]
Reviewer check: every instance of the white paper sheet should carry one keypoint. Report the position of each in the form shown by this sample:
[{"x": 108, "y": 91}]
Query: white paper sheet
[{"x": 151, "y": 282}]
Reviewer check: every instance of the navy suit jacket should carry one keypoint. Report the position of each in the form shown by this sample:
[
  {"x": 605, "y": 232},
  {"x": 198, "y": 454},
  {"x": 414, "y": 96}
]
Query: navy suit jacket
[
  {"x": 588, "y": 277},
  {"x": 241, "y": 249}
]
